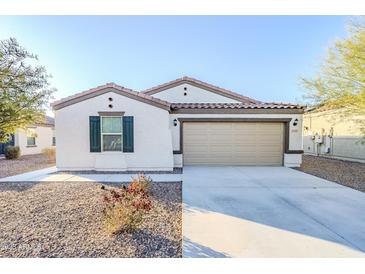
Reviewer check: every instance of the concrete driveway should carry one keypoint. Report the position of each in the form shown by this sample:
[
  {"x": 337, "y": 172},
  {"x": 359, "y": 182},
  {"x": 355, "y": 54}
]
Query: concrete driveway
[{"x": 269, "y": 212}]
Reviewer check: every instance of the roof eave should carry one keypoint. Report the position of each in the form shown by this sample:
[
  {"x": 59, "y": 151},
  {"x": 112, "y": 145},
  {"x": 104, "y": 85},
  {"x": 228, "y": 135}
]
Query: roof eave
[
  {"x": 238, "y": 111},
  {"x": 200, "y": 84},
  {"x": 109, "y": 88}
]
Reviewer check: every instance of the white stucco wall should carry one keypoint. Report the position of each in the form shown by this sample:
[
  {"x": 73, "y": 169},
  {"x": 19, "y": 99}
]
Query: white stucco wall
[
  {"x": 152, "y": 136},
  {"x": 43, "y": 140},
  {"x": 193, "y": 95},
  {"x": 295, "y": 133}
]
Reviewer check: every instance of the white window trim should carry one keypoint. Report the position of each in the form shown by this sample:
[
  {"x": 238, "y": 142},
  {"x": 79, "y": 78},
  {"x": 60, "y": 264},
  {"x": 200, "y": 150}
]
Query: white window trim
[
  {"x": 32, "y": 145},
  {"x": 32, "y": 135},
  {"x": 116, "y": 133}
]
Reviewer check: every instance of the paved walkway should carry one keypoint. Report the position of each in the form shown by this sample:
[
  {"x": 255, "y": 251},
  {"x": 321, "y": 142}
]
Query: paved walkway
[
  {"x": 269, "y": 212},
  {"x": 45, "y": 175}
]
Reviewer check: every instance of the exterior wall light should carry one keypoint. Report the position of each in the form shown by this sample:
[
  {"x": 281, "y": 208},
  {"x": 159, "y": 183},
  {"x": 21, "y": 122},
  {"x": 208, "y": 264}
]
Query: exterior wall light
[
  {"x": 295, "y": 123},
  {"x": 175, "y": 122}
]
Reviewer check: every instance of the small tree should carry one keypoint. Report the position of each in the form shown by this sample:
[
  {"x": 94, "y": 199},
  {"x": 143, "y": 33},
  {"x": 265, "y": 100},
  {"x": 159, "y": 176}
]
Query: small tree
[
  {"x": 340, "y": 84},
  {"x": 24, "y": 89}
]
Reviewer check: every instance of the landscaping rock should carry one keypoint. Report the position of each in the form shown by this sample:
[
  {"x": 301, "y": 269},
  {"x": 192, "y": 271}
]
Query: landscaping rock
[
  {"x": 351, "y": 174},
  {"x": 25, "y": 163},
  {"x": 59, "y": 219}
]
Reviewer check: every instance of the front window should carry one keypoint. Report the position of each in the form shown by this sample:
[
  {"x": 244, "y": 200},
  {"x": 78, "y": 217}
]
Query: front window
[
  {"x": 31, "y": 135},
  {"x": 111, "y": 133},
  {"x": 53, "y": 138}
]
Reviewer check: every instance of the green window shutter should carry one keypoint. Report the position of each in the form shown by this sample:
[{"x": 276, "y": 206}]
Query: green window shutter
[
  {"x": 95, "y": 139},
  {"x": 128, "y": 134}
]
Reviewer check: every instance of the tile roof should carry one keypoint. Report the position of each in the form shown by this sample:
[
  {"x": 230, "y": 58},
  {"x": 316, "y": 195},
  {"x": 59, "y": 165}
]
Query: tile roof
[
  {"x": 123, "y": 90},
  {"x": 176, "y": 106},
  {"x": 201, "y": 84},
  {"x": 45, "y": 121},
  {"x": 247, "y": 103},
  {"x": 49, "y": 120}
]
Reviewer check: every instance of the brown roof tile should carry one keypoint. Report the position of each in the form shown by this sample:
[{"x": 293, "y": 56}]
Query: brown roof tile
[
  {"x": 46, "y": 121},
  {"x": 247, "y": 103},
  {"x": 176, "y": 106}
]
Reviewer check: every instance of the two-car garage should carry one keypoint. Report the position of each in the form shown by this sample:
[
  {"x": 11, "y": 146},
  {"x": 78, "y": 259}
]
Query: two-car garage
[{"x": 233, "y": 143}]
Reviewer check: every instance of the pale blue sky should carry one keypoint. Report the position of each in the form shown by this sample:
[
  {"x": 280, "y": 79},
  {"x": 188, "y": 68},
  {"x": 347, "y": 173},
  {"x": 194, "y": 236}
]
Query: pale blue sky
[{"x": 258, "y": 56}]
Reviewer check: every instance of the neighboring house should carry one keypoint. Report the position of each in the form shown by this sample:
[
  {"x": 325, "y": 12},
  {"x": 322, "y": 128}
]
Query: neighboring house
[
  {"x": 183, "y": 122},
  {"x": 329, "y": 133},
  {"x": 33, "y": 139}
]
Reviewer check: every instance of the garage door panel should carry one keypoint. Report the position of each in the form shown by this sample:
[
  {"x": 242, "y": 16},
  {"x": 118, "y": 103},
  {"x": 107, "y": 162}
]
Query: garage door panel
[
  {"x": 219, "y": 126},
  {"x": 268, "y": 135},
  {"x": 268, "y": 161},
  {"x": 220, "y": 149},
  {"x": 243, "y": 138},
  {"x": 263, "y": 130},
  {"x": 269, "y": 146},
  {"x": 244, "y": 149},
  {"x": 216, "y": 138},
  {"x": 212, "y": 153},
  {"x": 233, "y": 143},
  {"x": 263, "y": 139},
  {"x": 197, "y": 150},
  {"x": 196, "y": 140},
  {"x": 245, "y": 126}
]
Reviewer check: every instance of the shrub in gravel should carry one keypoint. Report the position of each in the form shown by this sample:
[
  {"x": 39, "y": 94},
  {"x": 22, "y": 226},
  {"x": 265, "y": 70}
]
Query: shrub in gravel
[
  {"x": 139, "y": 185},
  {"x": 12, "y": 152},
  {"x": 50, "y": 153},
  {"x": 125, "y": 208}
]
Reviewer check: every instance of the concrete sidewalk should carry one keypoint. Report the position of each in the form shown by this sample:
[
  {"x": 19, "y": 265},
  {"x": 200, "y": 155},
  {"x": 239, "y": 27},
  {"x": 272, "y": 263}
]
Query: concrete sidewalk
[{"x": 48, "y": 175}]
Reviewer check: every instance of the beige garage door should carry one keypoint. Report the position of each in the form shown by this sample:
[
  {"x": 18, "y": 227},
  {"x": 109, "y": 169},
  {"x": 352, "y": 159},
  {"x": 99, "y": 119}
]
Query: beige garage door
[{"x": 233, "y": 143}]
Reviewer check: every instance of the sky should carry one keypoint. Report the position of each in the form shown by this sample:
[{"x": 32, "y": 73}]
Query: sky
[{"x": 262, "y": 57}]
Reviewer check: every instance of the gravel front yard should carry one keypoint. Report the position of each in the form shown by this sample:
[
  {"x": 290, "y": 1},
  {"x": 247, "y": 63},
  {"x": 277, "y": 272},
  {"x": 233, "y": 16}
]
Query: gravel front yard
[
  {"x": 58, "y": 219},
  {"x": 346, "y": 173},
  {"x": 23, "y": 164}
]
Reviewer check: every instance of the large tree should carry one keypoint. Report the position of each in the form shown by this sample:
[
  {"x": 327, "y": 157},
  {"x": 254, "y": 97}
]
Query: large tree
[
  {"x": 24, "y": 88},
  {"x": 340, "y": 83}
]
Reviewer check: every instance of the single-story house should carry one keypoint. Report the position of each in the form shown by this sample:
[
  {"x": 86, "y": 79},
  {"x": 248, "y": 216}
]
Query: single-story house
[
  {"x": 34, "y": 138},
  {"x": 330, "y": 133},
  {"x": 182, "y": 122}
]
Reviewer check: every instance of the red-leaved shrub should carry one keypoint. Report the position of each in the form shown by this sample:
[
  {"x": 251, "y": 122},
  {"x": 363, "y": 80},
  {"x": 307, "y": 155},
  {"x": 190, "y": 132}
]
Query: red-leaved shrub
[{"x": 125, "y": 208}]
